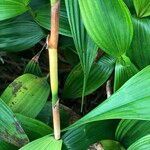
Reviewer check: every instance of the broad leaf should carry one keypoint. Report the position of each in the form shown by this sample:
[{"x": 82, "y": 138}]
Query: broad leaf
[
  {"x": 45, "y": 143},
  {"x": 129, "y": 131},
  {"x": 109, "y": 24},
  {"x": 124, "y": 70},
  {"x": 81, "y": 138},
  {"x": 12, "y": 8},
  {"x": 131, "y": 101},
  {"x": 33, "y": 128},
  {"x": 19, "y": 35},
  {"x": 141, "y": 144},
  {"x": 27, "y": 95},
  {"x": 42, "y": 16},
  {"x": 139, "y": 51},
  {"x": 98, "y": 75},
  {"x": 10, "y": 129},
  {"x": 142, "y": 7}
]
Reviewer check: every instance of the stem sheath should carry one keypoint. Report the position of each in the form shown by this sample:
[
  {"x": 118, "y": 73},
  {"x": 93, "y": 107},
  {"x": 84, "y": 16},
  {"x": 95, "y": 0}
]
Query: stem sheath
[{"x": 53, "y": 64}]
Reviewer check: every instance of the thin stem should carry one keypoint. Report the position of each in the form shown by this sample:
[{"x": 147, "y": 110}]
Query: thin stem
[
  {"x": 53, "y": 63},
  {"x": 108, "y": 88}
]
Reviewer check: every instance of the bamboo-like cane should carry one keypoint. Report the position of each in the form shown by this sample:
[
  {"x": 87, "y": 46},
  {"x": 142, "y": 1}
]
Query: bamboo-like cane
[{"x": 53, "y": 64}]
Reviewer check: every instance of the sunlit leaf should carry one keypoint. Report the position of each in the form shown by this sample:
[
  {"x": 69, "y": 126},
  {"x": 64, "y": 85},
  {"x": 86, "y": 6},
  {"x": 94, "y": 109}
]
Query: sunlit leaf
[
  {"x": 108, "y": 23},
  {"x": 27, "y": 95},
  {"x": 142, "y": 7}
]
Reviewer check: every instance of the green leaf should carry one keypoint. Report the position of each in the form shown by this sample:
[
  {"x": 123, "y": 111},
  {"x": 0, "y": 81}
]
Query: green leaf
[
  {"x": 98, "y": 75},
  {"x": 141, "y": 144},
  {"x": 139, "y": 51},
  {"x": 129, "y": 131},
  {"x": 10, "y": 129},
  {"x": 82, "y": 137},
  {"x": 142, "y": 8},
  {"x": 85, "y": 47},
  {"x": 111, "y": 145},
  {"x": 33, "y": 66},
  {"x": 124, "y": 70},
  {"x": 7, "y": 146},
  {"x": 42, "y": 17},
  {"x": 109, "y": 24},
  {"x": 67, "y": 116},
  {"x": 131, "y": 101},
  {"x": 45, "y": 143},
  {"x": 12, "y": 8},
  {"x": 33, "y": 128},
  {"x": 19, "y": 35},
  {"x": 27, "y": 95}
]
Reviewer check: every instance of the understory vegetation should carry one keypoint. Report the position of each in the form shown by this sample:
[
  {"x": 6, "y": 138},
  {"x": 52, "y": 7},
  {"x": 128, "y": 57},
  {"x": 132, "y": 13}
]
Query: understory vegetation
[{"x": 74, "y": 74}]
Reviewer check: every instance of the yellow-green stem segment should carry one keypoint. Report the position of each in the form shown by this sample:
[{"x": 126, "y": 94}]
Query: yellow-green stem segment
[{"x": 53, "y": 65}]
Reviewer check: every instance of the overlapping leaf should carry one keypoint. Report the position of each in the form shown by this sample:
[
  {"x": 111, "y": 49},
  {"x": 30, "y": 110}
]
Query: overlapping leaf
[
  {"x": 99, "y": 74},
  {"x": 141, "y": 144},
  {"x": 129, "y": 131},
  {"x": 19, "y": 35},
  {"x": 124, "y": 70},
  {"x": 12, "y": 8},
  {"x": 109, "y": 24},
  {"x": 131, "y": 101},
  {"x": 27, "y": 95},
  {"x": 142, "y": 7},
  {"x": 42, "y": 16},
  {"x": 85, "y": 47},
  {"x": 81, "y": 138},
  {"x": 10, "y": 129},
  {"x": 45, "y": 143},
  {"x": 139, "y": 51},
  {"x": 33, "y": 128}
]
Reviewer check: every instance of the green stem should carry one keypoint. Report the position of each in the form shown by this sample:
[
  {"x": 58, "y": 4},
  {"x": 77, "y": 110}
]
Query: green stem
[{"x": 53, "y": 64}]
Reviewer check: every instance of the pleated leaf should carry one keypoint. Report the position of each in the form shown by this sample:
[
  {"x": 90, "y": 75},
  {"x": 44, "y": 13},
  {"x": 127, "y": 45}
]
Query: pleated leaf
[
  {"x": 124, "y": 70},
  {"x": 33, "y": 128},
  {"x": 141, "y": 144},
  {"x": 10, "y": 129},
  {"x": 82, "y": 137},
  {"x": 45, "y": 143},
  {"x": 12, "y": 8},
  {"x": 129, "y": 131},
  {"x": 42, "y": 17},
  {"x": 131, "y": 101},
  {"x": 98, "y": 75},
  {"x": 85, "y": 47},
  {"x": 142, "y": 7},
  {"x": 19, "y": 35},
  {"x": 27, "y": 95},
  {"x": 109, "y": 24},
  {"x": 139, "y": 51}
]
